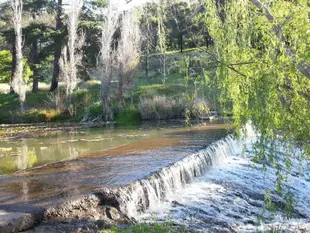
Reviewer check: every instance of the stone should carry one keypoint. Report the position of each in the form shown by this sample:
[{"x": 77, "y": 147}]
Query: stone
[
  {"x": 113, "y": 213},
  {"x": 15, "y": 221}
]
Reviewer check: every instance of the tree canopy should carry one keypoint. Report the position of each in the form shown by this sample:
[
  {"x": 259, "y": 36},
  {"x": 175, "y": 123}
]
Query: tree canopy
[{"x": 262, "y": 53}]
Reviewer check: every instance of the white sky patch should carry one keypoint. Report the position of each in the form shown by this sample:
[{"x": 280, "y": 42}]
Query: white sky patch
[
  {"x": 125, "y": 4},
  {"x": 115, "y": 2}
]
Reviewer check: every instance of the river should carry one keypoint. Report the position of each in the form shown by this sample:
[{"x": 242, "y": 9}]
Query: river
[{"x": 195, "y": 177}]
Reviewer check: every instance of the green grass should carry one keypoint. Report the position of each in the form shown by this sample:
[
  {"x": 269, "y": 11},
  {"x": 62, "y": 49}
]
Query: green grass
[
  {"x": 149, "y": 228},
  {"x": 169, "y": 90},
  {"x": 41, "y": 106},
  {"x": 128, "y": 116}
]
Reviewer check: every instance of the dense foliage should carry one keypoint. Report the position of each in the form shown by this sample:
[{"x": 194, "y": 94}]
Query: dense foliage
[
  {"x": 261, "y": 49},
  {"x": 6, "y": 67}
]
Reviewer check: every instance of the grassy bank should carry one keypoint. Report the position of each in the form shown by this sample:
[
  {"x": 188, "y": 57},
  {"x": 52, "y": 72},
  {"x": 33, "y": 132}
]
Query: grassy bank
[
  {"x": 150, "y": 228},
  {"x": 150, "y": 99},
  {"x": 170, "y": 228}
]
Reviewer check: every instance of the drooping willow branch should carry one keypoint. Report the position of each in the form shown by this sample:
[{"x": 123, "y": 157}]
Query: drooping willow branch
[{"x": 303, "y": 68}]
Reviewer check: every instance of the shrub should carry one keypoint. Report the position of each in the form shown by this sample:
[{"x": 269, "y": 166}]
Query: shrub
[
  {"x": 199, "y": 108},
  {"x": 129, "y": 115},
  {"x": 93, "y": 112},
  {"x": 57, "y": 100},
  {"x": 81, "y": 97},
  {"x": 160, "y": 107},
  {"x": 40, "y": 115}
]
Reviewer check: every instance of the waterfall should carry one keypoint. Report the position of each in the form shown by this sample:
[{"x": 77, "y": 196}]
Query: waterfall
[{"x": 152, "y": 190}]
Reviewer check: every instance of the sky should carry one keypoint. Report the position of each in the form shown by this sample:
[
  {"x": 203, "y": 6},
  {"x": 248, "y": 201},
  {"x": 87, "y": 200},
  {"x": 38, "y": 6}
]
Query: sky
[
  {"x": 119, "y": 2},
  {"x": 136, "y": 2}
]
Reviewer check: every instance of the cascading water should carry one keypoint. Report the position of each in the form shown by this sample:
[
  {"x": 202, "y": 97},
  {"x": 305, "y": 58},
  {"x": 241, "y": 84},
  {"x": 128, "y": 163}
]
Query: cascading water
[
  {"x": 217, "y": 190},
  {"x": 148, "y": 193}
]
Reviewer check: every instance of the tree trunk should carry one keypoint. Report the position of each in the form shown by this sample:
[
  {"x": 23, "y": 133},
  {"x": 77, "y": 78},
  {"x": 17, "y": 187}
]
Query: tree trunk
[
  {"x": 121, "y": 89},
  {"x": 181, "y": 43},
  {"x": 17, "y": 79},
  {"x": 105, "y": 88},
  {"x": 13, "y": 66},
  {"x": 34, "y": 58},
  {"x": 58, "y": 46},
  {"x": 147, "y": 65}
]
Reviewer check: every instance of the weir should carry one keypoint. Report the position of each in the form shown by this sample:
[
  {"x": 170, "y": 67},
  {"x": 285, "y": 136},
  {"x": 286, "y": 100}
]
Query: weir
[
  {"x": 149, "y": 192},
  {"x": 206, "y": 188},
  {"x": 137, "y": 197}
]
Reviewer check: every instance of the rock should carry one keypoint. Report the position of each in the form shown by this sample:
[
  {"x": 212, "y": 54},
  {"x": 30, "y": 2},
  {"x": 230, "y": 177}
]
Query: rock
[
  {"x": 176, "y": 203},
  {"x": 221, "y": 230},
  {"x": 16, "y": 221},
  {"x": 80, "y": 208},
  {"x": 113, "y": 213}
]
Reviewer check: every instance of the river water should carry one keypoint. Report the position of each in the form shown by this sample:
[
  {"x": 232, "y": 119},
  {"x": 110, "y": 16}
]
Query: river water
[
  {"x": 42, "y": 170},
  {"x": 229, "y": 196},
  {"x": 195, "y": 177}
]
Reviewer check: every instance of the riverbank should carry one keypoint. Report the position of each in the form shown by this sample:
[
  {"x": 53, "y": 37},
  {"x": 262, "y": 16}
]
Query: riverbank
[
  {"x": 151, "y": 101},
  {"x": 15, "y": 131},
  {"x": 30, "y": 130}
]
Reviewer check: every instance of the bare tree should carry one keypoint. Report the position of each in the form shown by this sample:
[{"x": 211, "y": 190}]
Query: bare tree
[
  {"x": 128, "y": 53},
  {"x": 107, "y": 57},
  {"x": 162, "y": 44},
  {"x": 149, "y": 31},
  {"x": 18, "y": 83},
  {"x": 75, "y": 43}
]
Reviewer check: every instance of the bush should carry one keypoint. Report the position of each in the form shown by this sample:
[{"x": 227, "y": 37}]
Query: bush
[
  {"x": 129, "y": 115},
  {"x": 160, "y": 107},
  {"x": 199, "y": 108},
  {"x": 81, "y": 97},
  {"x": 93, "y": 112},
  {"x": 42, "y": 115},
  {"x": 57, "y": 100}
]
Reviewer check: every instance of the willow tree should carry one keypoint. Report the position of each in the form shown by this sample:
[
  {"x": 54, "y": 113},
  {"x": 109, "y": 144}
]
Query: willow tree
[
  {"x": 17, "y": 81},
  {"x": 262, "y": 53}
]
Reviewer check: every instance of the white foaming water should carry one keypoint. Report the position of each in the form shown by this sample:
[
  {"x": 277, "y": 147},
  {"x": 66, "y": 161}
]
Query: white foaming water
[
  {"x": 150, "y": 192},
  {"x": 217, "y": 190}
]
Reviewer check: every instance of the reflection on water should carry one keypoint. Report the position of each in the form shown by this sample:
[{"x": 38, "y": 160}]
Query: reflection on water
[
  {"x": 54, "y": 167},
  {"x": 26, "y": 153},
  {"x": 20, "y": 154}
]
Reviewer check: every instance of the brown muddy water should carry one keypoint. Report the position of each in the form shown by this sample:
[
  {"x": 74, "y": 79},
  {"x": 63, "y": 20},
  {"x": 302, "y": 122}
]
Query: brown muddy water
[{"x": 41, "y": 171}]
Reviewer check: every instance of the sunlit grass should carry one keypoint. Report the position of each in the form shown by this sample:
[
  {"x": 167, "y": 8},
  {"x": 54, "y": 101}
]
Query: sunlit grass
[{"x": 150, "y": 228}]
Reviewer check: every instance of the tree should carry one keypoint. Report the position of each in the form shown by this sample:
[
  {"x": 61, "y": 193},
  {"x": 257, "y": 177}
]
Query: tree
[
  {"x": 107, "y": 57},
  {"x": 36, "y": 33},
  {"x": 162, "y": 43},
  {"x": 91, "y": 21},
  {"x": 18, "y": 83},
  {"x": 75, "y": 43},
  {"x": 128, "y": 53},
  {"x": 58, "y": 46},
  {"x": 6, "y": 67},
  {"x": 148, "y": 24},
  {"x": 263, "y": 61}
]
